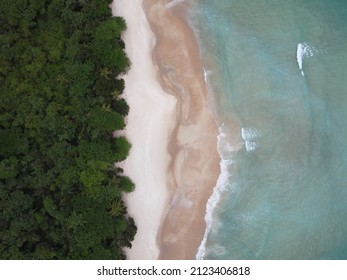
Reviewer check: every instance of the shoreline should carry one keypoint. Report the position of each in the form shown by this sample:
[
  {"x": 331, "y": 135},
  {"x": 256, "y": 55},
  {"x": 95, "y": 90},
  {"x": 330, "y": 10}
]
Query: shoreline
[
  {"x": 188, "y": 158},
  {"x": 195, "y": 167}
]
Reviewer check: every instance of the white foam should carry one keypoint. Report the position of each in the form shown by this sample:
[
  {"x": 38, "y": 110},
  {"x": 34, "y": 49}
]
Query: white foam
[
  {"x": 173, "y": 3},
  {"x": 205, "y": 76},
  {"x": 250, "y": 135},
  {"x": 219, "y": 250},
  {"x": 218, "y": 189},
  {"x": 303, "y": 50},
  {"x": 211, "y": 205},
  {"x": 299, "y": 55},
  {"x": 223, "y": 145},
  {"x": 251, "y": 146}
]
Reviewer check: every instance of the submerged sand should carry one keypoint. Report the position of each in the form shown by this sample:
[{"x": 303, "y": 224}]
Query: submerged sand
[{"x": 174, "y": 160}]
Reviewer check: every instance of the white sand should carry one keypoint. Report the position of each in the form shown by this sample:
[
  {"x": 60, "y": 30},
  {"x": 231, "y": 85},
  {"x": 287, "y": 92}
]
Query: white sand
[{"x": 150, "y": 122}]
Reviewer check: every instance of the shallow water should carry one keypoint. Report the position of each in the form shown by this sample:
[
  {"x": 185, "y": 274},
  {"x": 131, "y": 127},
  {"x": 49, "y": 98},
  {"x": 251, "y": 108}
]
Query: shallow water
[{"x": 277, "y": 77}]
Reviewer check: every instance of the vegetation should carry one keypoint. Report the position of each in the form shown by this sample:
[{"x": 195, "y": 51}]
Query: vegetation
[{"x": 60, "y": 195}]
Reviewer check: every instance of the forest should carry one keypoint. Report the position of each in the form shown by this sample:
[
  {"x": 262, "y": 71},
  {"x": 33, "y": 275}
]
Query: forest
[{"x": 61, "y": 105}]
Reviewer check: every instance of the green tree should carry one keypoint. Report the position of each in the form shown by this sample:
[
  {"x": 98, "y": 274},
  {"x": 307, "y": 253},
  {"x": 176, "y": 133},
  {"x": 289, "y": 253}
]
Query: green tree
[
  {"x": 121, "y": 147},
  {"x": 60, "y": 194},
  {"x": 105, "y": 37}
]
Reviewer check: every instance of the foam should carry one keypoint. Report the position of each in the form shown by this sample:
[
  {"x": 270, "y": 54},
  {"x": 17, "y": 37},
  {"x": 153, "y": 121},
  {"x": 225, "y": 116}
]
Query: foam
[
  {"x": 303, "y": 50},
  {"x": 299, "y": 56},
  {"x": 250, "y": 135},
  {"x": 223, "y": 145},
  {"x": 219, "y": 250},
  {"x": 251, "y": 146},
  {"x": 218, "y": 189},
  {"x": 205, "y": 76},
  {"x": 212, "y": 204}
]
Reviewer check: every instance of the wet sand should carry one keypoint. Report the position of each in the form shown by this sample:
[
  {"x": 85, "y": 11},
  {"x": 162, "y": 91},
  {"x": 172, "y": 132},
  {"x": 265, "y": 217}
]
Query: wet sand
[{"x": 172, "y": 130}]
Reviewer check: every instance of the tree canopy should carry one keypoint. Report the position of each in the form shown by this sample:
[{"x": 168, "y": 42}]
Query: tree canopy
[{"x": 60, "y": 194}]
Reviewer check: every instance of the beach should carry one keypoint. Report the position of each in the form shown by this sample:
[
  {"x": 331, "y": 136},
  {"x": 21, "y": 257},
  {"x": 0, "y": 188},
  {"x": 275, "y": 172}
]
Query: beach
[{"x": 174, "y": 161}]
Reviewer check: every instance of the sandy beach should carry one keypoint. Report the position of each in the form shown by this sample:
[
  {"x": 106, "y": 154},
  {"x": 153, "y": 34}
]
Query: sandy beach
[{"x": 174, "y": 160}]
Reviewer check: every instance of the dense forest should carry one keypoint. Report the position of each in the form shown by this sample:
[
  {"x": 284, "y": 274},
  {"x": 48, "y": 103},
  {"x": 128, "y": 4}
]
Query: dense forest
[{"x": 60, "y": 104}]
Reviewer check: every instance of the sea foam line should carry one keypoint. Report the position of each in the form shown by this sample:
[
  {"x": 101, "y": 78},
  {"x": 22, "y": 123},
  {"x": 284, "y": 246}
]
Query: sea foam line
[
  {"x": 303, "y": 50},
  {"x": 205, "y": 75},
  {"x": 299, "y": 55},
  {"x": 217, "y": 191},
  {"x": 212, "y": 204}
]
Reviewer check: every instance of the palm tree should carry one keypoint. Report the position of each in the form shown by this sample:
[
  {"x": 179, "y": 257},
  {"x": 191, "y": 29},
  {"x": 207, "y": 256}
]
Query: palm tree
[
  {"x": 116, "y": 208},
  {"x": 62, "y": 79},
  {"x": 105, "y": 73},
  {"x": 115, "y": 94},
  {"x": 106, "y": 107}
]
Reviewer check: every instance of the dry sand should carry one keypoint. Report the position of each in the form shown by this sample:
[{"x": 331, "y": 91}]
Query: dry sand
[
  {"x": 174, "y": 160},
  {"x": 150, "y": 122}
]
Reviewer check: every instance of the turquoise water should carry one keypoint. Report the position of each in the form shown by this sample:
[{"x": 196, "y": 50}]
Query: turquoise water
[{"x": 277, "y": 77}]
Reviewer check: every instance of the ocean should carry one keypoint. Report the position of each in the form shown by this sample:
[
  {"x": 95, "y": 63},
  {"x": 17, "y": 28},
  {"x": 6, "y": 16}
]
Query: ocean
[{"x": 277, "y": 77}]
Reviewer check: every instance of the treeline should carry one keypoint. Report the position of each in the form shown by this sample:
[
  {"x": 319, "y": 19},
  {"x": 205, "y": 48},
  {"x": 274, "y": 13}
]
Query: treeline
[{"x": 60, "y": 194}]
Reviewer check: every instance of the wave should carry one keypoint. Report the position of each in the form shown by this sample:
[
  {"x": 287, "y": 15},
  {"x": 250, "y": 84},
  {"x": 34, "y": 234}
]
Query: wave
[
  {"x": 250, "y": 135},
  {"x": 223, "y": 148},
  {"x": 206, "y": 74},
  {"x": 304, "y": 50}
]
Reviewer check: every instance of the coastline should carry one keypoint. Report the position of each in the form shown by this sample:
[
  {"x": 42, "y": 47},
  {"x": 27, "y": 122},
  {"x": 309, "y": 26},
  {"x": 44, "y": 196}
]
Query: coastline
[
  {"x": 181, "y": 148},
  {"x": 193, "y": 146}
]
